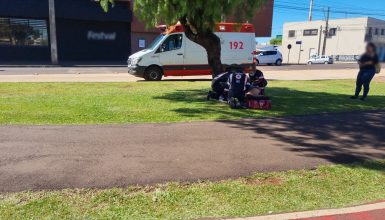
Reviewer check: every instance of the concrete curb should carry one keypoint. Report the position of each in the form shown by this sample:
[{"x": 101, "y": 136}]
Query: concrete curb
[{"x": 321, "y": 213}]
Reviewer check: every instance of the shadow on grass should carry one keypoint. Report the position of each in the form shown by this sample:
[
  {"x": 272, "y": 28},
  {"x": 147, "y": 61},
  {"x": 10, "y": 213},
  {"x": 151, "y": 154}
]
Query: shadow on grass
[
  {"x": 355, "y": 136},
  {"x": 285, "y": 102},
  {"x": 370, "y": 165}
]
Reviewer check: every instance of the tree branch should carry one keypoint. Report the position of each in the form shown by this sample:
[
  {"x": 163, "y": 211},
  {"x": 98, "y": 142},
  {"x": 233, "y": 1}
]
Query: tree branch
[{"x": 187, "y": 29}]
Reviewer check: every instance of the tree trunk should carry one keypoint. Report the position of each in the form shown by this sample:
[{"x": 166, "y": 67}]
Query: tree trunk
[
  {"x": 208, "y": 40},
  {"x": 213, "y": 49}
]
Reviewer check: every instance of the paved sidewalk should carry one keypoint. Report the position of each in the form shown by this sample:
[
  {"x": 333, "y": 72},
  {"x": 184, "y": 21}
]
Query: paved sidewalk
[
  {"x": 375, "y": 211},
  {"x": 104, "y": 156},
  {"x": 119, "y": 74}
]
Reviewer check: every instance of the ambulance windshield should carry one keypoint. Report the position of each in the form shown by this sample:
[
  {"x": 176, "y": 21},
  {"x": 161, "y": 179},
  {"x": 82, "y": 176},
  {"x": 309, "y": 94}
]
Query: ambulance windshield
[{"x": 155, "y": 43}]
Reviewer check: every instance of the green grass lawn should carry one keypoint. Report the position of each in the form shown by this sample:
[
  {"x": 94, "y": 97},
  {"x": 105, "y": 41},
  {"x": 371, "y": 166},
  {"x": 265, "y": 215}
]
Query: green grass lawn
[
  {"x": 326, "y": 187},
  {"x": 138, "y": 102}
]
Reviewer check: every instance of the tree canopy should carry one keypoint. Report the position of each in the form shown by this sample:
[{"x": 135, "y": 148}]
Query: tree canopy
[
  {"x": 202, "y": 13},
  {"x": 198, "y": 18},
  {"x": 276, "y": 41}
]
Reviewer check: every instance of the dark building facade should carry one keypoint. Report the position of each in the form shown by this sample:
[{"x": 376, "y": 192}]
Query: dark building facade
[
  {"x": 262, "y": 21},
  {"x": 84, "y": 31}
]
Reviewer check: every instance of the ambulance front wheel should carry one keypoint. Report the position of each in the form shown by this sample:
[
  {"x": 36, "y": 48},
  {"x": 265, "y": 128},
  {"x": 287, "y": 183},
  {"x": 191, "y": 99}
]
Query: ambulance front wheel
[{"x": 153, "y": 74}]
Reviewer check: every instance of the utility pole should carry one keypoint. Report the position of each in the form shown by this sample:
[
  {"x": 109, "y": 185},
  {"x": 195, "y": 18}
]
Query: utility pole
[
  {"x": 311, "y": 11},
  {"x": 326, "y": 31},
  {"x": 52, "y": 31},
  {"x": 319, "y": 41}
]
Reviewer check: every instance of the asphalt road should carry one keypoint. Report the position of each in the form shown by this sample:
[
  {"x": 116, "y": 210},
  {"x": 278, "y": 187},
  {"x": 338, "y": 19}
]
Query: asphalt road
[
  {"x": 32, "y": 70},
  {"x": 96, "y": 156}
]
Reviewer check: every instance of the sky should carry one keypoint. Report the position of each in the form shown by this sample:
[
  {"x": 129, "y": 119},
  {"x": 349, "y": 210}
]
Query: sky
[{"x": 298, "y": 10}]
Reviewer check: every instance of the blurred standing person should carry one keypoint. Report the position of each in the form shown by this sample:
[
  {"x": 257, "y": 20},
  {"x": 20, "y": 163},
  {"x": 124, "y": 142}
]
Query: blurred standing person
[{"x": 367, "y": 62}]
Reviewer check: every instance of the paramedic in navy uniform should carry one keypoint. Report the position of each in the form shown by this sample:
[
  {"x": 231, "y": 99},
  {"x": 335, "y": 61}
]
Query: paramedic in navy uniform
[{"x": 367, "y": 62}]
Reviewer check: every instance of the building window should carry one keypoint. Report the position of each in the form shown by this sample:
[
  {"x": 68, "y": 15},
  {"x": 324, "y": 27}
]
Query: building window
[
  {"x": 376, "y": 31},
  {"x": 383, "y": 32},
  {"x": 291, "y": 33},
  {"x": 23, "y": 32},
  {"x": 332, "y": 32},
  {"x": 370, "y": 31},
  {"x": 310, "y": 32}
]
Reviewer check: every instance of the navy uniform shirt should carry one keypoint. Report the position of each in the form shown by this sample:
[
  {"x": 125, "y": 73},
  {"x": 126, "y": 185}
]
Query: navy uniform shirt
[{"x": 366, "y": 58}]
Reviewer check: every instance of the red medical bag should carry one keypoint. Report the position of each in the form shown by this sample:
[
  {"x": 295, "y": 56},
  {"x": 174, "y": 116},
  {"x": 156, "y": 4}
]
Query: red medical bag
[{"x": 262, "y": 103}]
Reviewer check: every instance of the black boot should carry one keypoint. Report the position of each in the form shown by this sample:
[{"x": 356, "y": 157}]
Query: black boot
[{"x": 209, "y": 96}]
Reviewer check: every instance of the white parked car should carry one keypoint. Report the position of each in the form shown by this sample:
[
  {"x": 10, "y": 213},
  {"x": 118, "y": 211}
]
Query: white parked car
[
  {"x": 269, "y": 57},
  {"x": 320, "y": 60}
]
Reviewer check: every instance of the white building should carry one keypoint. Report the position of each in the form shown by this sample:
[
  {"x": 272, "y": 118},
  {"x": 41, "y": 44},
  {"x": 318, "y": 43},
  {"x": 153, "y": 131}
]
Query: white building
[{"x": 345, "y": 42}]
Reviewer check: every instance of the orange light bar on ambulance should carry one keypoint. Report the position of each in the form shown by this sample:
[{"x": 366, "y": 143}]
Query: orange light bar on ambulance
[{"x": 220, "y": 27}]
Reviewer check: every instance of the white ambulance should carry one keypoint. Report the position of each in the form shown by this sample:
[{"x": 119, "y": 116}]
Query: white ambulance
[{"x": 173, "y": 54}]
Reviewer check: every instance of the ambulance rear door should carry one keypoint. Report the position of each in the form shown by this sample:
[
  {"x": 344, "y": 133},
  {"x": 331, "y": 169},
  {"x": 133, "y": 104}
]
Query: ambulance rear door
[{"x": 238, "y": 48}]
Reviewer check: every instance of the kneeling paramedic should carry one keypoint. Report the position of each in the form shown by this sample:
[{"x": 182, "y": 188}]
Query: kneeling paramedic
[{"x": 238, "y": 83}]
